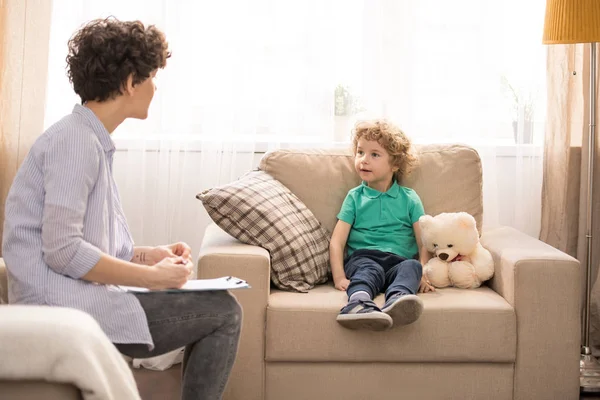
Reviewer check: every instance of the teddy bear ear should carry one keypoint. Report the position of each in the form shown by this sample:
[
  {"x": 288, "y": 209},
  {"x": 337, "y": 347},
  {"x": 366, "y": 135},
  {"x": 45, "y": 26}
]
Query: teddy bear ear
[
  {"x": 425, "y": 221},
  {"x": 466, "y": 220}
]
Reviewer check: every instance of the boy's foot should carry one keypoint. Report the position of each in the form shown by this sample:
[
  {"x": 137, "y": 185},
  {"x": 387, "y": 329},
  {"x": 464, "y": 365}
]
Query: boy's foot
[
  {"x": 364, "y": 314},
  {"x": 403, "y": 308}
]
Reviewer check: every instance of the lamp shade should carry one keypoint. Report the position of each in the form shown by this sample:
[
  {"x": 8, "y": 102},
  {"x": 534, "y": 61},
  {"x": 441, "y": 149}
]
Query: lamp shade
[{"x": 572, "y": 21}]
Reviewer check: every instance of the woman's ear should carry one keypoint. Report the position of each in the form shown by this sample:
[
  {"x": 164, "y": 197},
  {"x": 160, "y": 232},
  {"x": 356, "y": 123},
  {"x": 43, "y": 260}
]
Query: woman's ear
[{"x": 128, "y": 86}]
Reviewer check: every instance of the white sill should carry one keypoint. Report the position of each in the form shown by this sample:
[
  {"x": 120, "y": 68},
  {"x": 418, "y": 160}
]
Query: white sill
[
  {"x": 238, "y": 144},
  {"x": 523, "y": 150},
  {"x": 262, "y": 145}
]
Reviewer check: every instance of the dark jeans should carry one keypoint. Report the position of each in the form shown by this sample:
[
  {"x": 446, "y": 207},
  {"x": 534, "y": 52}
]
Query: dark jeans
[
  {"x": 208, "y": 325},
  {"x": 375, "y": 271}
]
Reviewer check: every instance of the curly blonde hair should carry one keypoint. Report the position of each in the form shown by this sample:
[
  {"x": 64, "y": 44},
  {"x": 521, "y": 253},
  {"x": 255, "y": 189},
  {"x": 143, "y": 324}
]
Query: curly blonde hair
[{"x": 391, "y": 138}]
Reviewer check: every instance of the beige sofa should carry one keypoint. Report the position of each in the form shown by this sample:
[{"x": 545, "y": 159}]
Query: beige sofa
[
  {"x": 516, "y": 338},
  {"x": 36, "y": 389},
  {"x": 59, "y": 353}
]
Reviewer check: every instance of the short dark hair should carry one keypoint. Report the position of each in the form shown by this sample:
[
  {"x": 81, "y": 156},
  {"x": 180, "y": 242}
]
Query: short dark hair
[{"x": 104, "y": 52}]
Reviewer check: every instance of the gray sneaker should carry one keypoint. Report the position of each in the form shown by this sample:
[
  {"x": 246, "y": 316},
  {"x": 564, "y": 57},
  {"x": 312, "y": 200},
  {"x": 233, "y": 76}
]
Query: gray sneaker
[
  {"x": 403, "y": 308},
  {"x": 363, "y": 314}
]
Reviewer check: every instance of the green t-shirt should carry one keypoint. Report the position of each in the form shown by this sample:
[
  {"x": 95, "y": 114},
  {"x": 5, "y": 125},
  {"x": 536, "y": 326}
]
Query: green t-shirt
[{"x": 382, "y": 221}]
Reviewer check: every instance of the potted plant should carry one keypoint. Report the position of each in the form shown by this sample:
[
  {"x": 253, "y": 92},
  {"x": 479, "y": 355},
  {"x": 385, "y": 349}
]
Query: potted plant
[
  {"x": 522, "y": 104},
  {"x": 346, "y": 106}
]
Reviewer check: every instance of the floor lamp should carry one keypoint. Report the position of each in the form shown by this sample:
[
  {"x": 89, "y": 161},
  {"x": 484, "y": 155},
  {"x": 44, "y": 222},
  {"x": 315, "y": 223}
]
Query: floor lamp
[{"x": 578, "y": 21}]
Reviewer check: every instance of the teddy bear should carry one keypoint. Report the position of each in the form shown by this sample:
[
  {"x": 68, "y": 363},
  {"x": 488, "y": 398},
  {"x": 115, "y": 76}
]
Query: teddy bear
[{"x": 459, "y": 258}]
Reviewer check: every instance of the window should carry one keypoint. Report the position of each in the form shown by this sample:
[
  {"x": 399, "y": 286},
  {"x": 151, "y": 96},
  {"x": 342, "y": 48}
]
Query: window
[{"x": 466, "y": 70}]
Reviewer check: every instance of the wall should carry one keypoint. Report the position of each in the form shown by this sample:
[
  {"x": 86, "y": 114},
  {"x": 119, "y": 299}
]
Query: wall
[{"x": 24, "y": 28}]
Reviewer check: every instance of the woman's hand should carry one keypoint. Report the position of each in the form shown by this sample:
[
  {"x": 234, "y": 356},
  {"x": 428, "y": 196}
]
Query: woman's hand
[
  {"x": 170, "y": 273},
  {"x": 180, "y": 249},
  {"x": 425, "y": 286},
  {"x": 157, "y": 254}
]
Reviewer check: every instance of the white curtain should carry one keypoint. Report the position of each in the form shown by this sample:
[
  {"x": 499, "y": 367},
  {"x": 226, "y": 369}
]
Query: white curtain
[{"x": 250, "y": 76}]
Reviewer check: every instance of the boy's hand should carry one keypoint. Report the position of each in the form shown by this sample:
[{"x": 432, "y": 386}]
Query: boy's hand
[
  {"x": 341, "y": 284},
  {"x": 425, "y": 286}
]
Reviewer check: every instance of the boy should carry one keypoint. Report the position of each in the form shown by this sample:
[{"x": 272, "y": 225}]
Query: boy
[{"x": 379, "y": 224}]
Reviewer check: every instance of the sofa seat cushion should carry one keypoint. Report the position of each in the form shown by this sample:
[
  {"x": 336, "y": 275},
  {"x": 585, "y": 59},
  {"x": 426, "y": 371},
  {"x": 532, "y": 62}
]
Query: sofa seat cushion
[{"x": 457, "y": 325}]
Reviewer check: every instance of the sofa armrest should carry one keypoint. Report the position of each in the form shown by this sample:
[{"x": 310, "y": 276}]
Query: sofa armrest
[
  {"x": 543, "y": 285},
  {"x": 63, "y": 346},
  {"x": 3, "y": 283},
  {"x": 38, "y": 389},
  {"x": 222, "y": 255}
]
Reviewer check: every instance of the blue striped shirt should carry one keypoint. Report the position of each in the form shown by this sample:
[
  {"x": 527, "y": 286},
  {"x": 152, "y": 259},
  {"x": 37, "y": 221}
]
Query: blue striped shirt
[{"x": 63, "y": 210}]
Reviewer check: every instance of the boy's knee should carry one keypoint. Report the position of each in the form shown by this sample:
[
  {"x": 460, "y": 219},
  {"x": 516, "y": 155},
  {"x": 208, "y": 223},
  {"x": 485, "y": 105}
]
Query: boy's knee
[
  {"x": 374, "y": 269},
  {"x": 414, "y": 264}
]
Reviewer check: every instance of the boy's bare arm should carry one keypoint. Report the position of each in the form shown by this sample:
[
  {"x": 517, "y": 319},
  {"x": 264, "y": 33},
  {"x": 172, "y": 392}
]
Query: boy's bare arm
[
  {"x": 336, "y": 254},
  {"x": 424, "y": 256}
]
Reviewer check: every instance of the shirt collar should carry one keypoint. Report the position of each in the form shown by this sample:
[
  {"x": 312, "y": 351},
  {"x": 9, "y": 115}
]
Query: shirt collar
[
  {"x": 374, "y": 193},
  {"x": 99, "y": 129}
]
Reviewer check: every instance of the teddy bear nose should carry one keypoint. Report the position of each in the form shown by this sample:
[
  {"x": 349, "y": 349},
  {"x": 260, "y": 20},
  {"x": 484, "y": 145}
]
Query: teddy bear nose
[{"x": 443, "y": 256}]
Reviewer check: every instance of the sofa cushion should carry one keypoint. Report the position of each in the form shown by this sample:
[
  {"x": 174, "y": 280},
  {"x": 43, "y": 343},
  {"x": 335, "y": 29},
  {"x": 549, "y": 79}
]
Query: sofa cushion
[
  {"x": 447, "y": 178},
  {"x": 457, "y": 325},
  {"x": 38, "y": 389},
  {"x": 259, "y": 210}
]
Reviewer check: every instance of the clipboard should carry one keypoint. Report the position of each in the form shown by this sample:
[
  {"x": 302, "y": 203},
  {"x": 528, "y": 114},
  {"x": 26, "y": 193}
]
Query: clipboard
[{"x": 197, "y": 285}]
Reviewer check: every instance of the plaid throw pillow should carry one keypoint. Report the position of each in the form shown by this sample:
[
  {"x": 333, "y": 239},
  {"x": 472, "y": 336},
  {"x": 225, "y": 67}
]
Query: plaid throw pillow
[{"x": 257, "y": 209}]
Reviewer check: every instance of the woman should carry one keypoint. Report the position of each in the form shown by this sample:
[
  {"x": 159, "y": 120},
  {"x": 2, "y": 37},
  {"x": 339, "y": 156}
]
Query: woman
[{"x": 66, "y": 240}]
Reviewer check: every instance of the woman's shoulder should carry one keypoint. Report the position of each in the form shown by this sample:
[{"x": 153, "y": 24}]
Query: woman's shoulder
[{"x": 71, "y": 132}]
